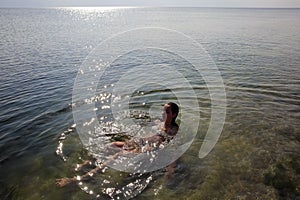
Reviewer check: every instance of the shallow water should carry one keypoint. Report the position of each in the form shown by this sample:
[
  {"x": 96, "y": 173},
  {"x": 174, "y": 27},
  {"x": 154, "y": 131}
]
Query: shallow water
[{"x": 256, "y": 51}]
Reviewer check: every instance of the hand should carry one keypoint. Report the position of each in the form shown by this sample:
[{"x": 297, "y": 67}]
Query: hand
[{"x": 61, "y": 182}]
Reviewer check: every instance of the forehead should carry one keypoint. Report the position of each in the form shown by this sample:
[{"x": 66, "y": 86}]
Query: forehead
[{"x": 167, "y": 106}]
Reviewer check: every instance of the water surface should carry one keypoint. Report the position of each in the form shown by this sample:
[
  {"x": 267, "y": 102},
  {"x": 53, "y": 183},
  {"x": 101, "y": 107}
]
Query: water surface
[{"x": 256, "y": 51}]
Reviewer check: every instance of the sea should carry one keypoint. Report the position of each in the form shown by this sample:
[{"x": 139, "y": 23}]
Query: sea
[{"x": 235, "y": 73}]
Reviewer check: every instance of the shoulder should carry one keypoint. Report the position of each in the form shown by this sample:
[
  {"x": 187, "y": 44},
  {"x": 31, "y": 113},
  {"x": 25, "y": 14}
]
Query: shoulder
[{"x": 173, "y": 130}]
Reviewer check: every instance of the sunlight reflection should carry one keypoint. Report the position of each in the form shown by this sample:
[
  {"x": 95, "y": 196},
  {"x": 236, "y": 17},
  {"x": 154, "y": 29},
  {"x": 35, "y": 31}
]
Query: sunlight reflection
[
  {"x": 94, "y": 9},
  {"x": 92, "y": 13}
]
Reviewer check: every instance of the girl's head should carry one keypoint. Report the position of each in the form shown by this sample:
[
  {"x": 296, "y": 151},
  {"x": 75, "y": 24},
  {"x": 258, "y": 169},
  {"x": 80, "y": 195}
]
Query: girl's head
[{"x": 170, "y": 111}]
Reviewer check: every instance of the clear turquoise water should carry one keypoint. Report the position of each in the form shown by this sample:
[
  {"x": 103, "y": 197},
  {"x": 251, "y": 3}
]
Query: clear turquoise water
[{"x": 256, "y": 51}]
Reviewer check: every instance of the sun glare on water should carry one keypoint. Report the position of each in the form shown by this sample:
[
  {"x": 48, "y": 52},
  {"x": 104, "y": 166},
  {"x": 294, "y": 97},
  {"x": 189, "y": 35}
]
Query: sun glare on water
[{"x": 95, "y": 9}]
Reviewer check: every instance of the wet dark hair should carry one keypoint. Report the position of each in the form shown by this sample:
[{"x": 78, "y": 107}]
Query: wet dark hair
[{"x": 174, "y": 108}]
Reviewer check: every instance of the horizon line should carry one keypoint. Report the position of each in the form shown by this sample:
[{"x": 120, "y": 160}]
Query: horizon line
[{"x": 125, "y": 6}]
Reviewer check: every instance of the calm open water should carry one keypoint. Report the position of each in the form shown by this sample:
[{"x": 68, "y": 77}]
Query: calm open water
[{"x": 256, "y": 50}]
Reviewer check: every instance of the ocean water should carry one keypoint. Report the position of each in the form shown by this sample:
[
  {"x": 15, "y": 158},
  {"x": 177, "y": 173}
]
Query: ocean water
[{"x": 257, "y": 53}]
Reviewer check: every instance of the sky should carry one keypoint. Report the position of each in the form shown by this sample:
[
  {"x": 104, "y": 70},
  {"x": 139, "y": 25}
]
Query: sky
[{"x": 171, "y": 3}]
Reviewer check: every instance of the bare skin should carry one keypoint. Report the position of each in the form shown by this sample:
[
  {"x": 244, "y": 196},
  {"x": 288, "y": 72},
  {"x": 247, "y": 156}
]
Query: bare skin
[
  {"x": 169, "y": 127},
  {"x": 61, "y": 182}
]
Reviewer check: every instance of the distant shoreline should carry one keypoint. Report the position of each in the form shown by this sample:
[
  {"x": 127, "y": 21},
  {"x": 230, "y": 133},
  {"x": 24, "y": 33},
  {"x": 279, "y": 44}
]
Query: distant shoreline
[{"x": 159, "y": 7}]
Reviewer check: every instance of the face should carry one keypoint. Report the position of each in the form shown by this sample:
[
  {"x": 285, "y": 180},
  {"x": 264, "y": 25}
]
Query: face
[{"x": 167, "y": 112}]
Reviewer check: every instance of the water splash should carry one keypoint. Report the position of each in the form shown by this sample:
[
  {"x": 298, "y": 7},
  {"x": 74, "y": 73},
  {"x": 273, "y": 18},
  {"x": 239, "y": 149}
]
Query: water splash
[{"x": 111, "y": 186}]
